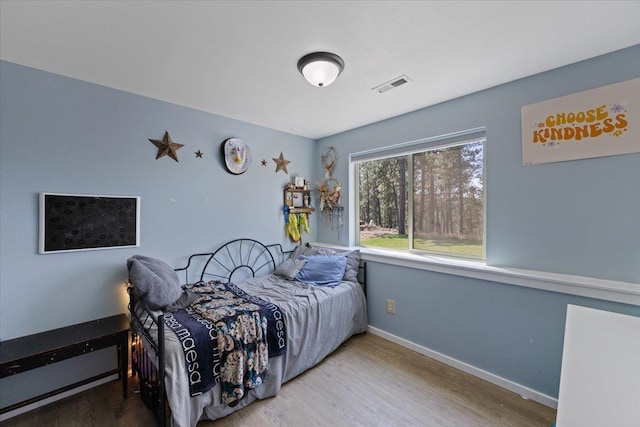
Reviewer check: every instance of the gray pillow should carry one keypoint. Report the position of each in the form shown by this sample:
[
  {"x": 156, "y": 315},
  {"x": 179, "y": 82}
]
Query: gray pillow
[
  {"x": 311, "y": 250},
  {"x": 186, "y": 298},
  {"x": 353, "y": 262},
  {"x": 289, "y": 268},
  {"x": 154, "y": 281}
]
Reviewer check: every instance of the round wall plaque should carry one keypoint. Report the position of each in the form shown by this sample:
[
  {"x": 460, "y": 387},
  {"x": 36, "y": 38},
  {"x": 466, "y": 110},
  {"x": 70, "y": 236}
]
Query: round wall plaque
[{"x": 237, "y": 156}]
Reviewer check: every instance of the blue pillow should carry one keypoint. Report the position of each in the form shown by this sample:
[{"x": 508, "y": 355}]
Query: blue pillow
[{"x": 322, "y": 270}]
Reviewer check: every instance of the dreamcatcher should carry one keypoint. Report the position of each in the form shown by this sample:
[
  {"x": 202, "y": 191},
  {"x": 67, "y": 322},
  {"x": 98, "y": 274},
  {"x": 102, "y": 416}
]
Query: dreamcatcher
[
  {"x": 329, "y": 159},
  {"x": 329, "y": 190}
]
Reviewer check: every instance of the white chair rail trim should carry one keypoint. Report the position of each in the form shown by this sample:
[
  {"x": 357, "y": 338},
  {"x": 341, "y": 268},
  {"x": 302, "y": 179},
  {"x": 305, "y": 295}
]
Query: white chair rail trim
[{"x": 608, "y": 290}]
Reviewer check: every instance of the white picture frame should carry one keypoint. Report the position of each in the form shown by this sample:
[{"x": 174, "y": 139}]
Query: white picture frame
[{"x": 298, "y": 200}]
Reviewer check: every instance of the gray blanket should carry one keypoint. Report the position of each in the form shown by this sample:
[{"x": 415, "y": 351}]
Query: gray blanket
[{"x": 318, "y": 320}]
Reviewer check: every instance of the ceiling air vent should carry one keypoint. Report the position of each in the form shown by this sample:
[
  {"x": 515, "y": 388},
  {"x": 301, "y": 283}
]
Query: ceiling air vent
[{"x": 392, "y": 84}]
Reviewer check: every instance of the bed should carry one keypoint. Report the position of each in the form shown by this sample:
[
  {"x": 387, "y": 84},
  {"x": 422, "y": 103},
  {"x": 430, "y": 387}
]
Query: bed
[{"x": 316, "y": 293}]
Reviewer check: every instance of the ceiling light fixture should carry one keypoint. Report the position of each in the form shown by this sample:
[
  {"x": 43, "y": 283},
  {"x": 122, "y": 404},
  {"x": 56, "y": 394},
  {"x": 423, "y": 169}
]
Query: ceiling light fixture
[{"x": 320, "y": 68}]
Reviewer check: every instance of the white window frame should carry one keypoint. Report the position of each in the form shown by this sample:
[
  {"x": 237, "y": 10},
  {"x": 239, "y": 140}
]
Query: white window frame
[
  {"x": 582, "y": 286},
  {"x": 408, "y": 148}
]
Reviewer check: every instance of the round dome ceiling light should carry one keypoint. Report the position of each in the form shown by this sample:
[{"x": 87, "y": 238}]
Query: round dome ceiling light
[{"x": 320, "y": 68}]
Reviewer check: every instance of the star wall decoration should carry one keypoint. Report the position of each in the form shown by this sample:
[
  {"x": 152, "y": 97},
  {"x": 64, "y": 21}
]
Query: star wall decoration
[
  {"x": 199, "y": 154},
  {"x": 166, "y": 147},
  {"x": 281, "y": 163},
  {"x": 264, "y": 162}
]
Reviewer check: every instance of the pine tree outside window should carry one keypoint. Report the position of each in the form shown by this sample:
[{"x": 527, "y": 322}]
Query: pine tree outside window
[{"x": 426, "y": 196}]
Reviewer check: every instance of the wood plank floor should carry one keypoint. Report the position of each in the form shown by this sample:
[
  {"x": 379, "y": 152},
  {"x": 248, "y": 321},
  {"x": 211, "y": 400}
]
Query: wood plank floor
[{"x": 368, "y": 381}]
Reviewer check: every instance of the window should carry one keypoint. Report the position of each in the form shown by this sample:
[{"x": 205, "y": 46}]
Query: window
[{"x": 426, "y": 196}]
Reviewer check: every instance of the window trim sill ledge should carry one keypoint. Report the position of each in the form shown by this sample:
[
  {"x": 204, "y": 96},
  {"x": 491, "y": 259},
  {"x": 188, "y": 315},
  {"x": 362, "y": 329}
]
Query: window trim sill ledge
[{"x": 591, "y": 287}]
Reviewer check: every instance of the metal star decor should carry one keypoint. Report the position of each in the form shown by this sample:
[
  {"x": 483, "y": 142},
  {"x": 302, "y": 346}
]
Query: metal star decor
[
  {"x": 199, "y": 154},
  {"x": 264, "y": 162},
  {"x": 166, "y": 147},
  {"x": 281, "y": 163}
]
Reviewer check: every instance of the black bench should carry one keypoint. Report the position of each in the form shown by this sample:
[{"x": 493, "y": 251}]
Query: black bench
[{"x": 33, "y": 351}]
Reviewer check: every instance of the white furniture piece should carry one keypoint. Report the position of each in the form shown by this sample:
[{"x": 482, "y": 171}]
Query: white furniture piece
[{"x": 600, "y": 378}]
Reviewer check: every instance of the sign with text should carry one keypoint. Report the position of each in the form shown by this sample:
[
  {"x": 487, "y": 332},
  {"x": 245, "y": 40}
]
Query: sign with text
[{"x": 600, "y": 122}]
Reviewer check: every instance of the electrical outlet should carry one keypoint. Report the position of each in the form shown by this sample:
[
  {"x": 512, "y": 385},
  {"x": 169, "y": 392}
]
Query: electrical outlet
[{"x": 391, "y": 306}]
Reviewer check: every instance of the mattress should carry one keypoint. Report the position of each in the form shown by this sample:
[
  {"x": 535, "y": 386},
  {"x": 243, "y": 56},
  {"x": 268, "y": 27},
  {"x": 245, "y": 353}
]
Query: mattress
[{"x": 317, "y": 319}]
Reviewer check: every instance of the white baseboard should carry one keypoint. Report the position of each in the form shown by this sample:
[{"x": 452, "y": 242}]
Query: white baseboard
[
  {"x": 57, "y": 397},
  {"x": 523, "y": 391}
]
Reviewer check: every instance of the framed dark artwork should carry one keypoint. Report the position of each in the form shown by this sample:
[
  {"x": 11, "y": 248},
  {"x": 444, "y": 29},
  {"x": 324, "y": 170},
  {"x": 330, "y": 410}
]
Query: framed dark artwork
[{"x": 77, "y": 222}]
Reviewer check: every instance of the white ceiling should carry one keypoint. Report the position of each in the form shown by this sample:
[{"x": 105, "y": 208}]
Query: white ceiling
[{"x": 238, "y": 58}]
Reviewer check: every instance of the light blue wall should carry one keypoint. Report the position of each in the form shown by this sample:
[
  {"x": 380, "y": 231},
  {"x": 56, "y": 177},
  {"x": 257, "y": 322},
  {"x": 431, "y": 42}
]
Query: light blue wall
[
  {"x": 513, "y": 332},
  {"x": 63, "y": 135},
  {"x": 579, "y": 217}
]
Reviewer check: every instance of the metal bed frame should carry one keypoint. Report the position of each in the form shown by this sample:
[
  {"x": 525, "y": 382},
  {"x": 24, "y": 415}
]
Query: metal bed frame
[{"x": 236, "y": 260}]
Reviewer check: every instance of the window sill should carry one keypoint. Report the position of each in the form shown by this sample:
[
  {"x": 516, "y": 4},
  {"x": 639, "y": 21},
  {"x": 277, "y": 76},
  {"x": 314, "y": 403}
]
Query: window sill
[{"x": 608, "y": 290}]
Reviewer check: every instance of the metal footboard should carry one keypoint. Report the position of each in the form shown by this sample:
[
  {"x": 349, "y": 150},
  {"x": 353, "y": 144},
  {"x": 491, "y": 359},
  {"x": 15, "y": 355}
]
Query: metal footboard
[{"x": 148, "y": 362}]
